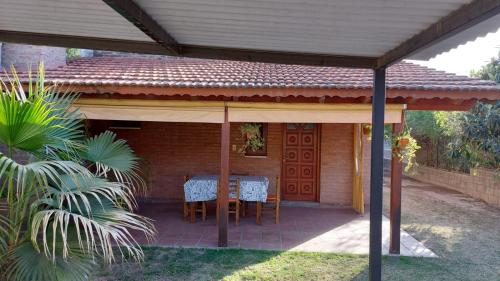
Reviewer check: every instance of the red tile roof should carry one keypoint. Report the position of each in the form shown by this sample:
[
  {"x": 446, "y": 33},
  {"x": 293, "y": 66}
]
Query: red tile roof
[
  {"x": 198, "y": 73},
  {"x": 182, "y": 76}
]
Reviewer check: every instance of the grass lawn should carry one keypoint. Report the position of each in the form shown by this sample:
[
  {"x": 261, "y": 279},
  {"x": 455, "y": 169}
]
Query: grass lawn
[
  {"x": 465, "y": 233},
  {"x": 238, "y": 264}
]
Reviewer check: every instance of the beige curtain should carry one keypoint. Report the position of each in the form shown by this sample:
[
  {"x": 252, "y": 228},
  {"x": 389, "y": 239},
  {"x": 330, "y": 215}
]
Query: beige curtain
[{"x": 358, "y": 202}]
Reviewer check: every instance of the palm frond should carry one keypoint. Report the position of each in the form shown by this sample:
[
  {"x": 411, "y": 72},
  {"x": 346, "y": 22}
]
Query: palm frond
[
  {"x": 39, "y": 172},
  {"x": 112, "y": 156},
  {"x": 25, "y": 262},
  {"x": 75, "y": 191},
  {"x": 5, "y": 227},
  {"x": 24, "y": 124},
  {"x": 97, "y": 232},
  {"x": 67, "y": 132}
]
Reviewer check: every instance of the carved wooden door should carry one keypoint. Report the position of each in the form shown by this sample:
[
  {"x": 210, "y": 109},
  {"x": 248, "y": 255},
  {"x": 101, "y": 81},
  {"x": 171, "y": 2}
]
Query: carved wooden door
[{"x": 300, "y": 153}]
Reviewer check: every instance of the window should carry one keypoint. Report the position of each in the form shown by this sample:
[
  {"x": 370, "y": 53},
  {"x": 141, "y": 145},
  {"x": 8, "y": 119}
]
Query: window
[
  {"x": 130, "y": 125},
  {"x": 263, "y": 150}
]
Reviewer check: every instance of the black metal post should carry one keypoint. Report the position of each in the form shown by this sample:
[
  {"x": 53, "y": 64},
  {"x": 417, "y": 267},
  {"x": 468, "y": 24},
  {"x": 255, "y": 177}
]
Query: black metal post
[{"x": 376, "y": 175}]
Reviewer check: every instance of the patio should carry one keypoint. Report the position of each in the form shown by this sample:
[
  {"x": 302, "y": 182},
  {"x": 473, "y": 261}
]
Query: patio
[{"x": 311, "y": 229}]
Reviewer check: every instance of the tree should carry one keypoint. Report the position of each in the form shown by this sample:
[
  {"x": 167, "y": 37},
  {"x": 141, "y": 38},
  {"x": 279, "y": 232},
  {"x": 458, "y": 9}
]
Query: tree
[
  {"x": 479, "y": 141},
  {"x": 72, "y": 203},
  {"x": 490, "y": 71}
]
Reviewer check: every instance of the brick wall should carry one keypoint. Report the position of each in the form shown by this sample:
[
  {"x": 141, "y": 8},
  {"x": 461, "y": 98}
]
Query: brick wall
[
  {"x": 22, "y": 56},
  {"x": 337, "y": 165},
  {"x": 175, "y": 149},
  {"x": 483, "y": 186}
]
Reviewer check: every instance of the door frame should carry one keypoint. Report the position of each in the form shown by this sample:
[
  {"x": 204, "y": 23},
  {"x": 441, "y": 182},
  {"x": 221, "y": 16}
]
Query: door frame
[{"x": 317, "y": 184}]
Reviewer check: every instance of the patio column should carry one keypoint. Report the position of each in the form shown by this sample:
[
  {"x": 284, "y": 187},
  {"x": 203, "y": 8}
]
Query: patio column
[
  {"x": 223, "y": 194},
  {"x": 395, "y": 206},
  {"x": 376, "y": 175}
]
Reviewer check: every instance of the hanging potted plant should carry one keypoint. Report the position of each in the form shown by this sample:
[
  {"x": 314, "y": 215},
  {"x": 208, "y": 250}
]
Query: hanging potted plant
[
  {"x": 252, "y": 135},
  {"x": 405, "y": 147},
  {"x": 403, "y": 140},
  {"x": 367, "y": 129}
]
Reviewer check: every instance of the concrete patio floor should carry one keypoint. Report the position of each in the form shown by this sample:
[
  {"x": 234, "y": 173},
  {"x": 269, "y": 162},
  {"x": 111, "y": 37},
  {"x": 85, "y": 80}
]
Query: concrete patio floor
[{"x": 311, "y": 229}]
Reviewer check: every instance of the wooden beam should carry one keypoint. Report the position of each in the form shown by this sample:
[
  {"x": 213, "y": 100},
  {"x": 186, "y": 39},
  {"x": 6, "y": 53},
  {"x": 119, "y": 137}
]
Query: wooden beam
[
  {"x": 70, "y": 41},
  {"x": 395, "y": 202},
  {"x": 442, "y": 104},
  {"x": 268, "y": 56},
  {"x": 137, "y": 16},
  {"x": 223, "y": 194},
  {"x": 457, "y": 21}
]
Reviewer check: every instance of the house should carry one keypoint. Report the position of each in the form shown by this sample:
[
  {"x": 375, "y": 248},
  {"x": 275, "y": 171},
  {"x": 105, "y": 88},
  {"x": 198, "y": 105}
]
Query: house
[
  {"x": 372, "y": 35},
  {"x": 310, "y": 117}
]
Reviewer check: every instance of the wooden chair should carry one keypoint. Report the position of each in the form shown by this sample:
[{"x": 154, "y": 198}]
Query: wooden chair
[
  {"x": 275, "y": 200},
  {"x": 191, "y": 208},
  {"x": 234, "y": 188}
]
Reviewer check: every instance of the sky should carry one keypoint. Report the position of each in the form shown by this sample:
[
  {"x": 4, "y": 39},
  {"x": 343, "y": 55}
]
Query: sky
[{"x": 467, "y": 57}]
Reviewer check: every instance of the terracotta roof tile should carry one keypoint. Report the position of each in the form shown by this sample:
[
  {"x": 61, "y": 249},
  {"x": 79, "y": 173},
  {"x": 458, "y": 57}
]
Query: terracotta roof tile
[{"x": 198, "y": 73}]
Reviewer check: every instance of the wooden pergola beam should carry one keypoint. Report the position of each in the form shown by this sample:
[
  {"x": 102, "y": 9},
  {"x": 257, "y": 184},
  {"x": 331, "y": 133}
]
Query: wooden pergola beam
[
  {"x": 457, "y": 21},
  {"x": 142, "y": 20}
]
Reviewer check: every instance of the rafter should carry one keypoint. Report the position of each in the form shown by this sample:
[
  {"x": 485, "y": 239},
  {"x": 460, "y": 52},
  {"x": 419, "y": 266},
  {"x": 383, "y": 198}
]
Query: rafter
[
  {"x": 71, "y": 41},
  {"x": 457, "y": 21},
  {"x": 277, "y": 57},
  {"x": 142, "y": 20}
]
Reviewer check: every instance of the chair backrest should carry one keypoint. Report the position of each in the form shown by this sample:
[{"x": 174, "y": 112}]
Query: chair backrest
[
  {"x": 278, "y": 188},
  {"x": 234, "y": 187},
  {"x": 186, "y": 178}
]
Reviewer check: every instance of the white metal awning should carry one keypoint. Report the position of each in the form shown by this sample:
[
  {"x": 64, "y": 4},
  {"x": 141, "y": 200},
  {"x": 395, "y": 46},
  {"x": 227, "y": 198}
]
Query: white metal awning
[{"x": 359, "y": 33}]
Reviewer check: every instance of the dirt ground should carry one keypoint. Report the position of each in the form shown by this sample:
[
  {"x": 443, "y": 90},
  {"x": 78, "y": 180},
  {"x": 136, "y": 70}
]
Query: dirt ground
[{"x": 464, "y": 232}]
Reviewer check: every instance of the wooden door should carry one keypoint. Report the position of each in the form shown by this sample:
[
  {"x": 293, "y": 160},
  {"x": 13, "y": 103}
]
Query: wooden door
[{"x": 300, "y": 162}]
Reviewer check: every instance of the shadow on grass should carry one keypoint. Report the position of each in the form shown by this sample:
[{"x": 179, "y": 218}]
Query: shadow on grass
[
  {"x": 411, "y": 268},
  {"x": 236, "y": 264}
]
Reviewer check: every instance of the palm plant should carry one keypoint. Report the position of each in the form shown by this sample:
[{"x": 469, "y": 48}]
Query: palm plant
[{"x": 70, "y": 205}]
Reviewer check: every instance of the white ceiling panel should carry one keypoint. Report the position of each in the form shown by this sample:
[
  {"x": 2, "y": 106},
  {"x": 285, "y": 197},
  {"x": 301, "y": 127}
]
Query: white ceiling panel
[
  {"x": 354, "y": 27},
  {"x": 365, "y": 28},
  {"x": 90, "y": 18}
]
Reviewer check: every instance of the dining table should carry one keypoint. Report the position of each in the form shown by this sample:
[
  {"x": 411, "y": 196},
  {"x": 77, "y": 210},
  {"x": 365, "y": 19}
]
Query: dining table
[{"x": 204, "y": 188}]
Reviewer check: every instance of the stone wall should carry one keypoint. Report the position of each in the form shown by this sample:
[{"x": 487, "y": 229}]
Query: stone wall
[
  {"x": 22, "y": 56},
  {"x": 484, "y": 185}
]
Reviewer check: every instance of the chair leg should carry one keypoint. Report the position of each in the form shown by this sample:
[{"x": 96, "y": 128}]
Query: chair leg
[
  {"x": 203, "y": 211},
  {"x": 217, "y": 213},
  {"x": 277, "y": 212},
  {"x": 259, "y": 212},
  {"x": 186, "y": 209},
  {"x": 243, "y": 208},
  {"x": 238, "y": 212},
  {"x": 192, "y": 211}
]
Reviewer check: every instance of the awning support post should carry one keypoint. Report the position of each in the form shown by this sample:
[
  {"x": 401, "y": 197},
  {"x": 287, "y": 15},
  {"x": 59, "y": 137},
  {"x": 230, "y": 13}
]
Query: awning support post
[
  {"x": 376, "y": 175},
  {"x": 395, "y": 208},
  {"x": 223, "y": 193}
]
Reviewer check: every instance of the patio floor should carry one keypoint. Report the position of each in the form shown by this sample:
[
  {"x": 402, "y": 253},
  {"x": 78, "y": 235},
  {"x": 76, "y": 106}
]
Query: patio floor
[{"x": 313, "y": 229}]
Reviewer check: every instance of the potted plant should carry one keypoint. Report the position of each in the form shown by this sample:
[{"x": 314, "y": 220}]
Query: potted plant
[
  {"x": 405, "y": 147},
  {"x": 252, "y": 135},
  {"x": 367, "y": 129}
]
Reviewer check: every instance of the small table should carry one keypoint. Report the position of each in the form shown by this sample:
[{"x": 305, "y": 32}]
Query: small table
[{"x": 204, "y": 188}]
